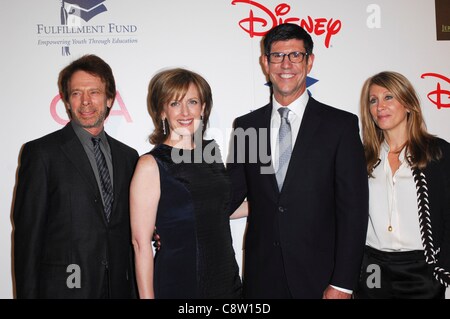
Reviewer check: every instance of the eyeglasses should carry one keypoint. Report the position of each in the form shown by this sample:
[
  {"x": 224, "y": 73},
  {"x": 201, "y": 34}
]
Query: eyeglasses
[{"x": 294, "y": 57}]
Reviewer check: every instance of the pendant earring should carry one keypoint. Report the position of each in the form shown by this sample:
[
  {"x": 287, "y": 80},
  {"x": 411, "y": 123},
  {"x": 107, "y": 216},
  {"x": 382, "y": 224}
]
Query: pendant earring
[{"x": 164, "y": 126}]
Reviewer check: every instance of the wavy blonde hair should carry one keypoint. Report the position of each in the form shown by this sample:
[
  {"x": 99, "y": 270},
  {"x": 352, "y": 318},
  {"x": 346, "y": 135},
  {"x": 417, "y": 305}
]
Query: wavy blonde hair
[{"x": 420, "y": 145}]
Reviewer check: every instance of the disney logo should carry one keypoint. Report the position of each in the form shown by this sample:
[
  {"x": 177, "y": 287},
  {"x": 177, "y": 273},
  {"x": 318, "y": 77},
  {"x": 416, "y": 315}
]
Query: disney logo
[
  {"x": 439, "y": 93},
  {"x": 259, "y": 24}
]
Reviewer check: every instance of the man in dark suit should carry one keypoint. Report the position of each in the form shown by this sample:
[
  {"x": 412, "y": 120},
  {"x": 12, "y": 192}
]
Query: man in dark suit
[
  {"x": 308, "y": 200},
  {"x": 71, "y": 211}
]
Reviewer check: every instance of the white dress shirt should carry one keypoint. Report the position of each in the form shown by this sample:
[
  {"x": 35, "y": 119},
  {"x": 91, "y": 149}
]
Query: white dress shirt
[
  {"x": 297, "y": 108},
  {"x": 393, "y": 202}
]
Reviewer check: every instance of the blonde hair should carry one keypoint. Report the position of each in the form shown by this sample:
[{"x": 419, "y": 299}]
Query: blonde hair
[{"x": 420, "y": 145}]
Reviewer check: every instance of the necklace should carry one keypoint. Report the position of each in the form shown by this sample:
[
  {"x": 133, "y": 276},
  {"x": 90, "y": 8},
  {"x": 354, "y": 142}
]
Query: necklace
[
  {"x": 393, "y": 162},
  {"x": 391, "y": 182},
  {"x": 390, "y": 192}
]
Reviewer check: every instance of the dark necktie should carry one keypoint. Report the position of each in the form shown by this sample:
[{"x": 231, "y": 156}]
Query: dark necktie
[
  {"x": 284, "y": 146},
  {"x": 105, "y": 179}
]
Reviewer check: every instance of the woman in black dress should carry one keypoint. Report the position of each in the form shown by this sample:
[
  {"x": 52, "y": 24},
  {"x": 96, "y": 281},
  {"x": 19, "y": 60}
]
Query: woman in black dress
[{"x": 181, "y": 187}]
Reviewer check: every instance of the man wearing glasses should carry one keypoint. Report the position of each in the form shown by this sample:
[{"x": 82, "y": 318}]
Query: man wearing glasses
[{"x": 308, "y": 207}]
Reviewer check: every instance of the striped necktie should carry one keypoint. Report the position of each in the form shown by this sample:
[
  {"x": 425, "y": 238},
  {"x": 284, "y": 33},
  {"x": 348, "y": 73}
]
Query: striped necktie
[
  {"x": 105, "y": 179},
  {"x": 284, "y": 146}
]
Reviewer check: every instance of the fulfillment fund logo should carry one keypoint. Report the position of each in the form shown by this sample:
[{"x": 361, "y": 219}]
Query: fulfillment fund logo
[
  {"x": 84, "y": 9},
  {"x": 81, "y": 9},
  {"x": 77, "y": 27}
]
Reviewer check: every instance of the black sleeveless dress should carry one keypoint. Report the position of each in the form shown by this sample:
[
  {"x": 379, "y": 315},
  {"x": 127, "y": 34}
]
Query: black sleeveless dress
[{"x": 196, "y": 259}]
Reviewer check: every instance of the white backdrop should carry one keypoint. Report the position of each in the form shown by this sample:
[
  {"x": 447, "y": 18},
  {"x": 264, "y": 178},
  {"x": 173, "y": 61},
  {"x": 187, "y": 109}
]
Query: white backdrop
[{"x": 353, "y": 40}]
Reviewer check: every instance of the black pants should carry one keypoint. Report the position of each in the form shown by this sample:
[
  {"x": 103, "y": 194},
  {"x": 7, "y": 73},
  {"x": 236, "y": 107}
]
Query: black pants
[{"x": 397, "y": 275}]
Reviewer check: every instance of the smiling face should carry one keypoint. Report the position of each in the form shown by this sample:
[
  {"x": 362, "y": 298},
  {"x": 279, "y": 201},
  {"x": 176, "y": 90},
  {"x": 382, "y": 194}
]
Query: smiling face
[
  {"x": 387, "y": 112},
  {"x": 288, "y": 79},
  {"x": 88, "y": 103},
  {"x": 183, "y": 115}
]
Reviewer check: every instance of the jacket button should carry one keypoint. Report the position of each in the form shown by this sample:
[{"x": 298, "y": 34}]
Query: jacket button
[
  {"x": 104, "y": 262},
  {"x": 276, "y": 243},
  {"x": 281, "y": 209}
]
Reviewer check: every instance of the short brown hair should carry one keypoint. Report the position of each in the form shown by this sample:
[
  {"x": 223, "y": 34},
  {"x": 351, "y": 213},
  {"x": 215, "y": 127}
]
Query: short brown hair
[
  {"x": 173, "y": 84},
  {"x": 93, "y": 65}
]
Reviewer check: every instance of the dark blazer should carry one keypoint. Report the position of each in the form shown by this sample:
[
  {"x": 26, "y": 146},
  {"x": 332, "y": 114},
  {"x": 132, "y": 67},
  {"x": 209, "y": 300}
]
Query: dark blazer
[
  {"x": 312, "y": 233},
  {"x": 433, "y": 196},
  {"x": 59, "y": 221}
]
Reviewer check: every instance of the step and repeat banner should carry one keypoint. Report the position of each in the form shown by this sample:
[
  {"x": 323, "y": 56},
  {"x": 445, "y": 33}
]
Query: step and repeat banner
[{"x": 221, "y": 40}]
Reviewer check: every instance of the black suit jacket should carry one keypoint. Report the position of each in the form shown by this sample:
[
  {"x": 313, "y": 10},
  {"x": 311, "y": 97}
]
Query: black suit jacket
[
  {"x": 312, "y": 233},
  {"x": 59, "y": 221},
  {"x": 433, "y": 195}
]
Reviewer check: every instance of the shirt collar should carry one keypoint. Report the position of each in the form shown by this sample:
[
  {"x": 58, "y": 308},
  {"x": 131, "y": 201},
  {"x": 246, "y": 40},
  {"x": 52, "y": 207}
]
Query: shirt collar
[
  {"x": 86, "y": 137},
  {"x": 294, "y": 107}
]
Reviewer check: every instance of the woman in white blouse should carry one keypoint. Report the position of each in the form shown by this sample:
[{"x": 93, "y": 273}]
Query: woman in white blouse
[{"x": 408, "y": 238}]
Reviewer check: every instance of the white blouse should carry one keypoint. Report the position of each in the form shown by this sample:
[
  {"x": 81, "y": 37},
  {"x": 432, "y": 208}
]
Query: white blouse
[{"x": 393, "y": 210}]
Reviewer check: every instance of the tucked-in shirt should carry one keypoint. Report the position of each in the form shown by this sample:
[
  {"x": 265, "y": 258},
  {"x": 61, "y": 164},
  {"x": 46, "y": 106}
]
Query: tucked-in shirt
[
  {"x": 393, "y": 202},
  {"x": 297, "y": 108},
  {"x": 86, "y": 140}
]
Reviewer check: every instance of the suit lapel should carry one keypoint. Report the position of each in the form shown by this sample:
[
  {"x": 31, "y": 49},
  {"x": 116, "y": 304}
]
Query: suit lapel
[
  {"x": 76, "y": 154},
  {"x": 266, "y": 124},
  {"x": 73, "y": 149},
  {"x": 117, "y": 173},
  {"x": 273, "y": 177},
  {"x": 310, "y": 124}
]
